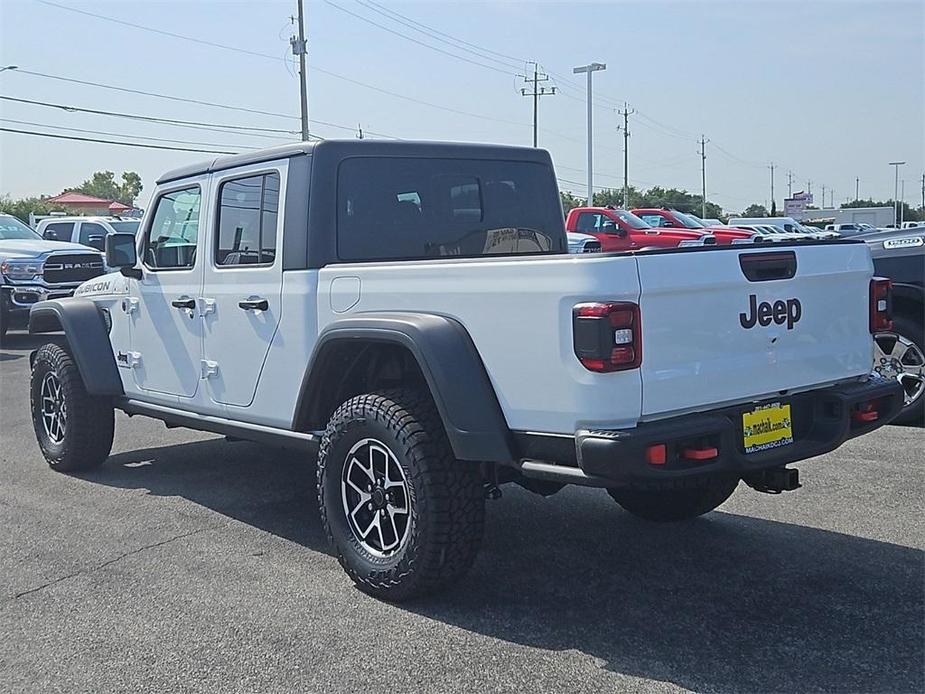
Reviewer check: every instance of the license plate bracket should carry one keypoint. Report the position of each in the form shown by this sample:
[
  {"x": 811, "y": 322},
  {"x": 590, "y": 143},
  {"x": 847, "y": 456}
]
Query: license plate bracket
[{"x": 767, "y": 426}]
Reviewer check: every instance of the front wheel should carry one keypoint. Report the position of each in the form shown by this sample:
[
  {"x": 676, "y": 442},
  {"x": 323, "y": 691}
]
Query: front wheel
[
  {"x": 403, "y": 515},
  {"x": 73, "y": 428},
  {"x": 668, "y": 505}
]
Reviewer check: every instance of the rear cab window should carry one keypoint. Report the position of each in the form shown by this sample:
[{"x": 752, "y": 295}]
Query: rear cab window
[{"x": 404, "y": 208}]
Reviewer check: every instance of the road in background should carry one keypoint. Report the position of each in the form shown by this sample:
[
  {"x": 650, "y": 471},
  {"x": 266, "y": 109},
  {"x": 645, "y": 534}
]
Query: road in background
[{"x": 190, "y": 563}]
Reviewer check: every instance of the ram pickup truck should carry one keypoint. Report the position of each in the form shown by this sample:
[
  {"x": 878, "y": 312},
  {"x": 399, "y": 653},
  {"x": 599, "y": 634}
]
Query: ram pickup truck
[
  {"x": 33, "y": 269},
  {"x": 672, "y": 219},
  {"x": 408, "y": 317},
  {"x": 619, "y": 230}
]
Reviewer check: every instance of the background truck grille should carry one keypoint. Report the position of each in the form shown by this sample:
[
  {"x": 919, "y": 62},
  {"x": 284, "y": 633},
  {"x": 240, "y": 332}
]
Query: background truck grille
[
  {"x": 77, "y": 267},
  {"x": 591, "y": 247}
]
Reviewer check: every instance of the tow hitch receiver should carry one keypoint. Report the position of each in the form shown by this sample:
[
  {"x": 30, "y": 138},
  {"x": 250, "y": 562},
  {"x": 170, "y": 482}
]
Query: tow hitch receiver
[{"x": 774, "y": 481}]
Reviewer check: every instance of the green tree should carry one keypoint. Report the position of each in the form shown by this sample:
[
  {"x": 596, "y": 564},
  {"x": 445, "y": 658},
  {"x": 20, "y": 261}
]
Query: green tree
[
  {"x": 21, "y": 207},
  {"x": 103, "y": 184},
  {"x": 755, "y": 210},
  {"x": 570, "y": 201}
]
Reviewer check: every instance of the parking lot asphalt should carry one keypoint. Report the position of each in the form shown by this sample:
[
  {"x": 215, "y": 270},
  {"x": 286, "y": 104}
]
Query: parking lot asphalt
[{"x": 188, "y": 563}]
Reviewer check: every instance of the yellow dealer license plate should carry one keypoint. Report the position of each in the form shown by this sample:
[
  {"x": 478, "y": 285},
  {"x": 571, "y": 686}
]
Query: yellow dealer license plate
[{"x": 767, "y": 426}]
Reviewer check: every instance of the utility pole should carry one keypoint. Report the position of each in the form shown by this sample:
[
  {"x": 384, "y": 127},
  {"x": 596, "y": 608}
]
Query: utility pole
[
  {"x": 299, "y": 49},
  {"x": 857, "y": 188},
  {"x": 772, "y": 184},
  {"x": 902, "y": 202},
  {"x": 359, "y": 131},
  {"x": 823, "y": 198},
  {"x": 703, "y": 176},
  {"x": 896, "y": 165},
  {"x": 923, "y": 192},
  {"x": 537, "y": 92},
  {"x": 590, "y": 69},
  {"x": 626, "y": 136},
  {"x": 790, "y": 184}
]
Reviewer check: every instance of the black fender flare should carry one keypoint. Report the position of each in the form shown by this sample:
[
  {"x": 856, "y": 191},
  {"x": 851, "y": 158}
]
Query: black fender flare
[
  {"x": 450, "y": 364},
  {"x": 87, "y": 339}
]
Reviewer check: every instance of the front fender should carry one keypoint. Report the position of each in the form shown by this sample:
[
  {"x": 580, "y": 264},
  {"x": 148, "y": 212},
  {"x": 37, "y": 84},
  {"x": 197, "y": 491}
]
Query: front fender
[{"x": 87, "y": 338}]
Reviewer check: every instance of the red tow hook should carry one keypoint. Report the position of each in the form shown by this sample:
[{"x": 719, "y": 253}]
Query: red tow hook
[{"x": 865, "y": 413}]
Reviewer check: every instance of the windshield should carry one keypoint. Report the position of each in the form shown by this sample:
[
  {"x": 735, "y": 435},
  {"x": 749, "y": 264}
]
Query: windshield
[
  {"x": 631, "y": 220},
  {"x": 12, "y": 229},
  {"x": 125, "y": 227},
  {"x": 688, "y": 221}
]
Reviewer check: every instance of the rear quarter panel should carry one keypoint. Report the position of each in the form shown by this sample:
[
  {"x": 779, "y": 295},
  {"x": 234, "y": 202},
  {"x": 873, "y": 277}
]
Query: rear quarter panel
[{"x": 518, "y": 312}]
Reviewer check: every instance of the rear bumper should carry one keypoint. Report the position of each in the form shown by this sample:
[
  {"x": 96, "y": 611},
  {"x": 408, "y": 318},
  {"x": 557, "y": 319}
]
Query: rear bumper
[{"x": 822, "y": 420}]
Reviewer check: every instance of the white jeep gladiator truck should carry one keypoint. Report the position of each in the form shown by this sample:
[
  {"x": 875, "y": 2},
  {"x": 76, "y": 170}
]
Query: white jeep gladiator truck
[{"x": 408, "y": 316}]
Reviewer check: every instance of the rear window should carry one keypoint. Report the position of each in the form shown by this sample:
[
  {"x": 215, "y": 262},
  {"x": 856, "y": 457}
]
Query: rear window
[{"x": 391, "y": 208}]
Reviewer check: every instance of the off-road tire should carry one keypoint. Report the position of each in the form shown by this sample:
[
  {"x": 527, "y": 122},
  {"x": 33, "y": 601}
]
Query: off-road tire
[
  {"x": 90, "y": 420},
  {"x": 913, "y": 331},
  {"x": 446, "y": 496},
  {"x": 694, "y": 498}
]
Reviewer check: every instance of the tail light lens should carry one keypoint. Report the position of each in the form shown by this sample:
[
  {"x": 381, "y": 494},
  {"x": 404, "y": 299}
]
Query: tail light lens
[
  {"x": 881, "y": 305},
  {"x": 607, "y": 336}
]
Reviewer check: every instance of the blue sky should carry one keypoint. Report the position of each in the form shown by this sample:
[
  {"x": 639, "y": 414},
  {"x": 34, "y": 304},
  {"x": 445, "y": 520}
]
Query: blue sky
[{"x": 829, "y": 90}]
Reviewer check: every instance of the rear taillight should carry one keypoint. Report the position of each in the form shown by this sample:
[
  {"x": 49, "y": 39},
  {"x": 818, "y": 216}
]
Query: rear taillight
[
  {"x": 607, "y": 336},
  {"x": 881, "y": 305}
]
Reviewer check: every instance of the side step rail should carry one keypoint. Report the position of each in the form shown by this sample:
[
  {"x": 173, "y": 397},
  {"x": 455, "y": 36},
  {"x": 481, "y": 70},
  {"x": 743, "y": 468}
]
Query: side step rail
[{"x": 219, "y": 425}]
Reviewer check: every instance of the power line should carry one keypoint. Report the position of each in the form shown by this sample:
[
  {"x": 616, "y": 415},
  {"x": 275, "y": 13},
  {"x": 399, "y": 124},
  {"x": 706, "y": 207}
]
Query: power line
[
  {"x": 198, "y": 102},
  {"x": 479, "y": 51},
  {"x": 414, "y": 40},
  {"x": 198, "y": 125},
  {"x": 110, "y": 142},
  {"x": 103, "y": 132}
]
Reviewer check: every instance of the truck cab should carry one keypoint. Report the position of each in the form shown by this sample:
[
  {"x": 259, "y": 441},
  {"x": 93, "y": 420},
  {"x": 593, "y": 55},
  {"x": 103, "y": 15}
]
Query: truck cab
[
  {"x": 673, "y": 219},
  {"x": 619, "y": 230}
]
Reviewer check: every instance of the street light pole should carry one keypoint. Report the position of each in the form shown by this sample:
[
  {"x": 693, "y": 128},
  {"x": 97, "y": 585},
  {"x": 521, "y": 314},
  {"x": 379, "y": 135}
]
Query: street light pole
[
  {"x": 589, "y": 69},
  {"x": 896, "y": 165}
]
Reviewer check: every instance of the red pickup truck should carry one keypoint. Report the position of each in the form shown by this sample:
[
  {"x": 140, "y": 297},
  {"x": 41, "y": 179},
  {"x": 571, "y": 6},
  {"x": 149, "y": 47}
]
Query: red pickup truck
[
  {"x": 673, "y": 219},
  {"x": 619, "y": 230}
]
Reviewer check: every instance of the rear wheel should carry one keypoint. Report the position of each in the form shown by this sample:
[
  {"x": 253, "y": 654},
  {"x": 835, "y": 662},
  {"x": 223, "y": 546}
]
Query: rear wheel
[
  {"x": 403, "y": 515},
  {"x": 74, "y": 429},
  {"x": 900, "y": 354},
  {"x": 668, "y": 505}
]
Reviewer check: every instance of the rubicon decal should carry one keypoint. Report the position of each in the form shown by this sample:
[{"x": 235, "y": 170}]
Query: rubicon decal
[{"x": 764, "y": 313}]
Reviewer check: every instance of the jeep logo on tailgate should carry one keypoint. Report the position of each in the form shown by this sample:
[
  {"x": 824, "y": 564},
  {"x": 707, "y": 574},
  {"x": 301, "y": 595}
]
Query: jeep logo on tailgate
[{"x": 763, "y": 314}]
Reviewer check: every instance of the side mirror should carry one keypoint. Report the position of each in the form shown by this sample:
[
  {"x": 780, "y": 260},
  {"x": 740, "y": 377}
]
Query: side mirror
[
  {"x": 121, "y": 253},
  {"x": 609, "y": 227}
]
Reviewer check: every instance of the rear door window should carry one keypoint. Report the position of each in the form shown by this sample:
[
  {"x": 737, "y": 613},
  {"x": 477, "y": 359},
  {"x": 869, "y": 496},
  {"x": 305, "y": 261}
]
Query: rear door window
[
  {"x": 247, "y": 220},
  {"x": 393, "y": 208},
  {"x": 93, "y": 235}
]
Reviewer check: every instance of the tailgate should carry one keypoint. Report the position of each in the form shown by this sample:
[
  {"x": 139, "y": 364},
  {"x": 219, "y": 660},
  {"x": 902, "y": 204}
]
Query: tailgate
[{"x": 712, "y": 336}]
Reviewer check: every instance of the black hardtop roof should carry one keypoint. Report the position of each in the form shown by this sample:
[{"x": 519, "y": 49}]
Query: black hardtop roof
[{"x": 345, "y": 148}]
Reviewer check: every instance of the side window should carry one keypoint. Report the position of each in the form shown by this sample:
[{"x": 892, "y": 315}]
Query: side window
[
  {"x": 171, "y": 241},
  {"x": 58, "y": 231},
  {"x": 93, "y": 235},
  {"x": 588, "y": 221},
  {"x": 654, "y": 220},
  {"x": 247, "y": 216}
]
